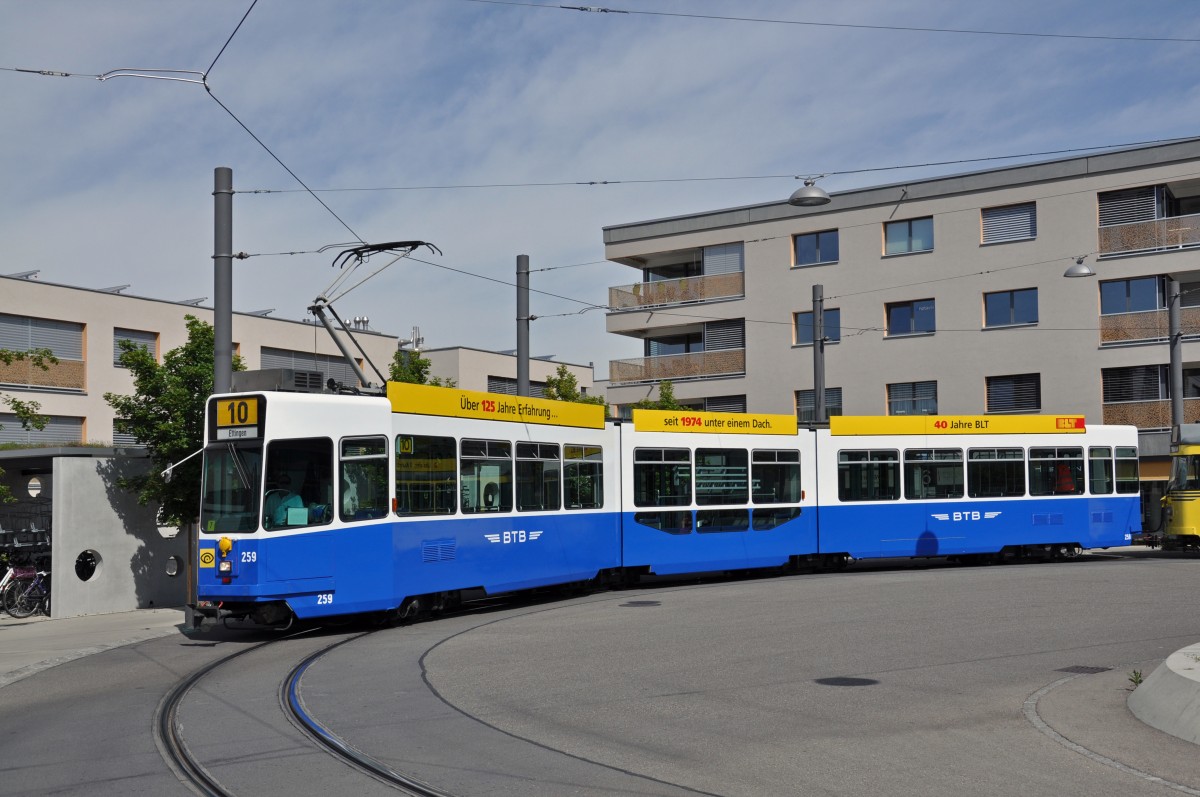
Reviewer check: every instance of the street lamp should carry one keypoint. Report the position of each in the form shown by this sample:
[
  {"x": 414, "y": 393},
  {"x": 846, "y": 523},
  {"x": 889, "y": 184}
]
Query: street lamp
[
  {"x": 1174, "y": 339},
  {"x": 809, "y": 195}
]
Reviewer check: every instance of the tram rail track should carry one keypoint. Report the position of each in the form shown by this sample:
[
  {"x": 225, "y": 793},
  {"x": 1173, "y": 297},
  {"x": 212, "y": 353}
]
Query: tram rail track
[{"x": 191, "y": 771}]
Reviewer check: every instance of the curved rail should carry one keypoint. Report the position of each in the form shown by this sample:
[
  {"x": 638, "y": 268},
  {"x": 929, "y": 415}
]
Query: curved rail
[
  {"x": 170, "y": 741},
  {"x": 289, "y": 698}
]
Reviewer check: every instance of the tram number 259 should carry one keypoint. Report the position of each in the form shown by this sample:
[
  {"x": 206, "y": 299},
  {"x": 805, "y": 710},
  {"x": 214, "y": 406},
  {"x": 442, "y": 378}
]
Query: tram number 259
[{"x": 325, "y": 599}]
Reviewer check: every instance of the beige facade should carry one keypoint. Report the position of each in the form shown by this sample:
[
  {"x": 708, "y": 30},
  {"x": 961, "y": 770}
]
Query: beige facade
[
  {"x": 496, "y": 372},
  {"x": 85, "y": 322},
  {"x": 941, "y": 295}
]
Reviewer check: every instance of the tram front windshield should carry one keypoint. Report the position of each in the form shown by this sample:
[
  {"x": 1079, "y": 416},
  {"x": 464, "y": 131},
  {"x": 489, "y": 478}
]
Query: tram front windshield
[
  {"x": 232, "y": 477},
  {"x": 1185, "y": 472}
]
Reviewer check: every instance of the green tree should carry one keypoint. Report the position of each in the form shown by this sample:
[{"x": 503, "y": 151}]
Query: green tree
[
  {"x": 27, "y": 412},
  {"x": 411, "y": 367},
  {"x": 563, "y": 386},
  {"x": 166, "y": 414},
  {"x": 665, "y": 401}
]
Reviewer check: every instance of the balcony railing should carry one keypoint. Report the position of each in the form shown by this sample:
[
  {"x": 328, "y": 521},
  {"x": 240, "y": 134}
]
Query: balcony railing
[
  {"x": 1148, "y": 326},
  {"x": 1177, "y": 232},
  {"x": 63, "y": 375},
  {"x": 1149, "y": 414},
  {"x": 697, "y": 365},
  {"x": 688, "y": 289}
]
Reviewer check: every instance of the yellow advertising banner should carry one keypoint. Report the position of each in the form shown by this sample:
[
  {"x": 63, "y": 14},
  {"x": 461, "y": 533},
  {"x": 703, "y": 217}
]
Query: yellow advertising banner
[
  {"x": 956, "y": 424},
  {"x": 713, "y": 422},
  {"x": 453, "y": 403}
]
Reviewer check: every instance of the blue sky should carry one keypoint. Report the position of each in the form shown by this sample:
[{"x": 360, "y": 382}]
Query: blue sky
[{"x": 107, "y": 183}]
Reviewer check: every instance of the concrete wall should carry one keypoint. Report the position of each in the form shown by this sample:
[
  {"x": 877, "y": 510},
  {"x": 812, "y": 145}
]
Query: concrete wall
[{"x": 91, "y": 513}]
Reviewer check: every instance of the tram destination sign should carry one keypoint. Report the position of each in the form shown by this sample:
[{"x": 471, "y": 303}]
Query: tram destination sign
[
  {"x": 956, "y": 424},
  {"x": 235, "y": 419}
]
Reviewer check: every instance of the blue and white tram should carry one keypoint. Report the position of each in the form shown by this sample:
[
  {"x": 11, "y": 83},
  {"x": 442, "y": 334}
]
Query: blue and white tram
[
  {"x": 716, "y": 491},
  {"x": 318, "y": 505},
  {"x": 926, "y": 486}
]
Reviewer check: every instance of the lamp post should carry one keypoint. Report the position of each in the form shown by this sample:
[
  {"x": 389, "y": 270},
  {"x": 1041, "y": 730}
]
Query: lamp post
[
  {"x": 1174, "y": 339},
  {"x": 808, "y": 196}
]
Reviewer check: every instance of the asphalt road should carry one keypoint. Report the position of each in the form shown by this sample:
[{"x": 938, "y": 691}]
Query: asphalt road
[{"x": 1003, "y": 680}]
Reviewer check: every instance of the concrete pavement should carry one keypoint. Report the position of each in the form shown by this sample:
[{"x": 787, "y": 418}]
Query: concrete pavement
[
  {"x": 1168, "y": 699},
  {"x": 37, "y": 643}
]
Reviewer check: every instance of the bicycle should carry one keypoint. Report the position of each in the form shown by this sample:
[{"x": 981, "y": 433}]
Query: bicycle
[
  {"x": 12, "y": 582},
  {"x": 33, "y": 598}
]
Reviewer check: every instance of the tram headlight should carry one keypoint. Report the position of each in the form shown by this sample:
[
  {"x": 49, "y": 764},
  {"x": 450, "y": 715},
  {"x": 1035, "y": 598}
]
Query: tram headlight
[{"x": 225, "y": 567}]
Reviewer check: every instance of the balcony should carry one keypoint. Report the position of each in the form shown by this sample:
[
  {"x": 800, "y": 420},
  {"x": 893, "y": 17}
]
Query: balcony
[
  {"x": 677, "y": 291},
  {"x": 65, "y": 375},
  {"x": 1149, "y": 414},
  {"x": 1148, "y": 326},
  {"x": 1176, "y": 232},
  {"x": 676, "y": 367}
]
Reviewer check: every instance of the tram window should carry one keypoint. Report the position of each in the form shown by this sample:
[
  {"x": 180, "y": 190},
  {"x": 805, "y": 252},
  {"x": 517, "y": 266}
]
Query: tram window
[
  {"x": 1128, "y": 478},
  {"x": 299, "y": 489},
  {"x": 1055, "y": 471},
  {"x": 677, "y": 522},
  {"x": 775, "y": 477},
  {"x": 767, "y": 519},
  {"x": 662, "y": 477},
  {"x": 995, "y": 472},
  {"x": 537, "y": 477},
  {"x": 426, "y": 475},
  {"x": 721, "y": 476},
  {"x": 868, "y": 475},
  {"x": 229, "y": 502},
  {"x": 715, "y": 521},
  {"x": 485, "y": 468},
  {"x": 362, "y": 478},
  {"x": 583, "y": 477},
  {"x": 931, "y": 473},
  {"x": 1100, "y": 470}
]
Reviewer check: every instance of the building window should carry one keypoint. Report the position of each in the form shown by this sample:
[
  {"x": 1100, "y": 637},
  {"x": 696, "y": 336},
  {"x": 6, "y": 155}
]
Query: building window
[
  {"x": 1009, "y": 223},
  {"x": 1010, "y": 308},
  {"x": 508, "y": 386},
  {"x": 909, "y": 235},
  {"x": 146, "y": 340},
  {"x": 1132, "y": 205},
  {"x": 816, "y": 247},
  {"x": 910, "y": 318},
  {"x": 20, "y": 333},
  {"x": 724, "y": 259},
  {"x": 675, "y": 344},
  {"x": 806, "y": 408},
  {"x": 803, "y": 328},
  {"x": 725, "y": 404},
  {"x": 912, "y": 398},
  {"x": 59, "y": 429},
  {"x": 1145, "y": 383},
  {"x": 1014, "y": 393},
  {"x": 1138, "y": 295}
]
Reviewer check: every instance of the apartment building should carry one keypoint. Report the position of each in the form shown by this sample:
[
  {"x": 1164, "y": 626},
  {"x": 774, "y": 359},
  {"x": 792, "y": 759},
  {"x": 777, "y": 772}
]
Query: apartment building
[
  {"x": 940, "y": 295},
  {"x": 84, "y": 327}
]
